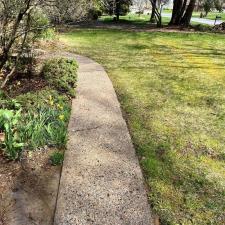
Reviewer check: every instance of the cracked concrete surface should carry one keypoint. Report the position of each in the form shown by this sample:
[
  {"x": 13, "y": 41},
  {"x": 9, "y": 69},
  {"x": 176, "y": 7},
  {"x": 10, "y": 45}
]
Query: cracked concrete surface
[{"x": 101, "y": 181}]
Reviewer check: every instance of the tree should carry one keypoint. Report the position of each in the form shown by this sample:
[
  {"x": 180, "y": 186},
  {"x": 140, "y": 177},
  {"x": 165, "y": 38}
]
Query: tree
[
  {"x": 116, "y": 7},
  {"x": 153, "y": 2},
  {"x": 140, "y": 5},
  {"x": 219, "y": 5},
  {"x": 182, "y": 12},
  {"x": 64, "y": 11},
  {"x": 21, "y": 22},
  {"x": 157, "y": 6},
  {"x": 207, "y": 6}
]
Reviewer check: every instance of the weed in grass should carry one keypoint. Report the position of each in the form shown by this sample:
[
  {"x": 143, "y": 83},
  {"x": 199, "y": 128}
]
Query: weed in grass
[{"x": 57, "y": 158}]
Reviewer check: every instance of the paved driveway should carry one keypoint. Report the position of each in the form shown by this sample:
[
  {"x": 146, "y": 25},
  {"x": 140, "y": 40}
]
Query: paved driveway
[{"x": 197, "y": 20}]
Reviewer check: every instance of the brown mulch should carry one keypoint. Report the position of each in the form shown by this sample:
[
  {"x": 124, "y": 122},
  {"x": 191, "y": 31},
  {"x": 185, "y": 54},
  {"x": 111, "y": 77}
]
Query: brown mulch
[{"x": 25, "y": 85}]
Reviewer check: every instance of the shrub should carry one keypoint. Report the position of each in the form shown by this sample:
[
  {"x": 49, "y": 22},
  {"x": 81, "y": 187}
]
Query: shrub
[
  {"x": 61, "y": 74},
  {"x": 94, "y": 14}
]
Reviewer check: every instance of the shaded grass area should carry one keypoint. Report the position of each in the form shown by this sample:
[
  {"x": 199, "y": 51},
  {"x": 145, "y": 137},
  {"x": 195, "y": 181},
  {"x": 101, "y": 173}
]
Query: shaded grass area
[
  {"x": 134, "y": 19},
  {"x": 172, "y": 89},
  {"x": 138, "y": 20}
]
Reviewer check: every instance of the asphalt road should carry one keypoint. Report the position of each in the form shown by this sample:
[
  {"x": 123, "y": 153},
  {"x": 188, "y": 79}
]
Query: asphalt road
[{"x": 197, "y": 20}]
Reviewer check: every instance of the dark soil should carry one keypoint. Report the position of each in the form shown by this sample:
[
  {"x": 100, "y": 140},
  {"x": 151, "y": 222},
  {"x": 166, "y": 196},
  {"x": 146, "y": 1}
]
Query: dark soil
[
  {"x": 28, "y": 189},
  {"x": 24, "y": 85}
]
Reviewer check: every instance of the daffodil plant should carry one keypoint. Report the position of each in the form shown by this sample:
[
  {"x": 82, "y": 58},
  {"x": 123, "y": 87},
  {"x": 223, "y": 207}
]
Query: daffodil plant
[{"x": 11, "y": 144}]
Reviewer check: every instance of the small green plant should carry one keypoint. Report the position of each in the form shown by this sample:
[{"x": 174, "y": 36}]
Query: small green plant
[
  {"x": 8, "y": 103},
  {"x": 11, "y": 143},
  {"x": 48, "y": 34},
  {"x": 45, "y": 126},
  {"x": 61, "y": 74},
  {"x": 57, "y": 158}
]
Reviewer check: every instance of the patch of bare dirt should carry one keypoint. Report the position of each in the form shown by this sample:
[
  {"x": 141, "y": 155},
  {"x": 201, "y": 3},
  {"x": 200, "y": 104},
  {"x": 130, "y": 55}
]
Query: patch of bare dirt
[
  {"x": 127, "y": 27},
  {"x": 24, "y": 85},
  {"x": 28, "y": 189}
]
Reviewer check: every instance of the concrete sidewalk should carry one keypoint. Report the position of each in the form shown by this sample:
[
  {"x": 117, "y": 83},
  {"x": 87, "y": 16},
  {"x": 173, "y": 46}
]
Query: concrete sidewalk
[{"x": 101, "y": 181}]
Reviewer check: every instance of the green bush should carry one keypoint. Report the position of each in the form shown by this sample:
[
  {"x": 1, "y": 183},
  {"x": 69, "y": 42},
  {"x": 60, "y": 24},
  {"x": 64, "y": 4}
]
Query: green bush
[
  {"x": 94, "y": 14},
  {"x": 61, "y": 74}
]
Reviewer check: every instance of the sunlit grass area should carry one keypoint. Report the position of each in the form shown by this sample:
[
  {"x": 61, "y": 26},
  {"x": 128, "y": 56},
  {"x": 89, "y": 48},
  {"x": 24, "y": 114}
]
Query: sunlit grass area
[
  {"x": 133, "y": 19},
  {"x": 172, "y": 89},
  {"x": 211, "y": 15}
]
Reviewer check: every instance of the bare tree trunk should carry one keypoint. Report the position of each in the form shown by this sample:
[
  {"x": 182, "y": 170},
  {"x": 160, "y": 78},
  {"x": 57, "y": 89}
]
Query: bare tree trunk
[
  {"x": 152, "y": 19},
  {"x": 181, "y": 13},
  {"x": 118, "y": 6},
  {"x": 188, "y": 14},
  {"x": 177, "y": 5}
]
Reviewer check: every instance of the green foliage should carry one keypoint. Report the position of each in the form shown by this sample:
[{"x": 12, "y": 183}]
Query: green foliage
[
  {"x": 57, "y": 158},
  {"x": 8, "y": 103},
  {"x": 208, "y": 5},
  {"x": 94, "y": 13},
  {"x": 46, "y": 120},
  {"x": 42, "y": 120},
  {"x": 48, "y": 34},
  {"x": 45, "y": 97},
  {"x": 11, "y": 144},
  {"x": 61, "y": 74},
  {"x": 45, "y": 126},
  {"x": 33, "y": 120}
]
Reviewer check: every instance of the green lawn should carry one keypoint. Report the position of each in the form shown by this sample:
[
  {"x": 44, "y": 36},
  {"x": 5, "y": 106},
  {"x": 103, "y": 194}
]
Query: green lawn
[
  {"x": 142, "y": 20},
  {"x": 211, "y": 15},
  {"x": 134, "y": 19},
  {"x": 172, "y": 89}
]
